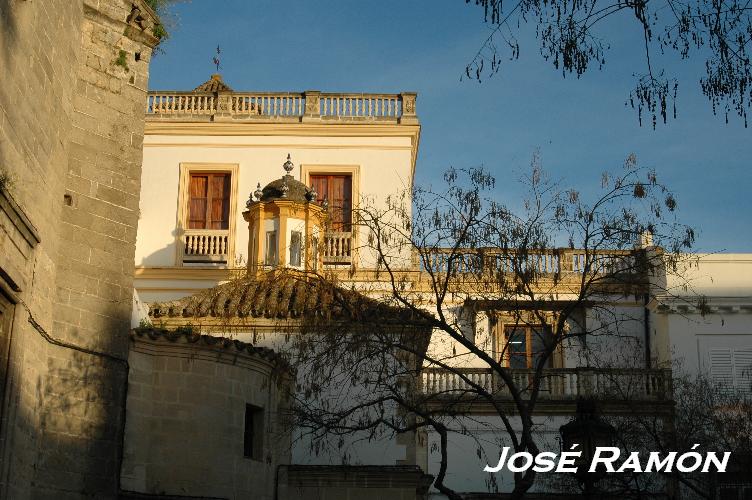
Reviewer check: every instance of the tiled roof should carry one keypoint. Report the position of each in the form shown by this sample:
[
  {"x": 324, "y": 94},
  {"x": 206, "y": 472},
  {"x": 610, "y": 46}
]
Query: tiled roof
[
  {"x": 188, "y": 335},
  {"x": 213, "y": 84},
  {"x": 283, "y": 293}
]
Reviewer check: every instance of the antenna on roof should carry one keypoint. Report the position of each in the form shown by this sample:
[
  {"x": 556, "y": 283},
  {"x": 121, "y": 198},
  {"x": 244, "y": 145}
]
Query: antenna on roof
[{"x": 215, "y": 59}]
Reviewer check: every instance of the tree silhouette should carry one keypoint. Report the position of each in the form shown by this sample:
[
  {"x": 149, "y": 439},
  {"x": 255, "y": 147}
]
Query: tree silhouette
[{"x": 570, "y": 37}]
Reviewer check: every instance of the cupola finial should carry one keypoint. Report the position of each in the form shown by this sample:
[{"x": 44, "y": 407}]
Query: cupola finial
[{"x": 288, "y": 166}]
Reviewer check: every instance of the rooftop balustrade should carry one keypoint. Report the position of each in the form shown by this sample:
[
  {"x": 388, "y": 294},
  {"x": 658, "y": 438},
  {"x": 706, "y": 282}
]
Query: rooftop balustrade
[{"x": 282, "y": 106}]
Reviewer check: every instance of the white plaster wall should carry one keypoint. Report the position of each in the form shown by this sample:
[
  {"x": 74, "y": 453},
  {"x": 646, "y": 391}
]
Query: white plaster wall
[
  {"x": 384, "y": 163},
  {"x": 464, "y": 466},
  {"x": 716, "y": 275},
  {"x": 616, "y": 337},
  {"x": 355, "y": 448},
  {"x": 682, "y": 335}
]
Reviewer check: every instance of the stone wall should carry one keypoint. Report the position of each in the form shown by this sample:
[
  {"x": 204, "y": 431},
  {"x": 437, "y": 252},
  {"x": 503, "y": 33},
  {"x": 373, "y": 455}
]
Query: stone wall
[
  {"x": 185, "y": 424},
  {"x": 71, "y": 127}
]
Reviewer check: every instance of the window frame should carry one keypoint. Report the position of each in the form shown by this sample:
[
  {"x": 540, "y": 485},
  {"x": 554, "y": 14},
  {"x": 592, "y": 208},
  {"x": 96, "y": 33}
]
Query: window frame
[
  {"x": 209, "y": 198},
  {"x": 499, "y": 320},
  {"x": 530, "y": 355},
  {"x": 181, "y": 224},
  {"x": 271, "y": 253},
  {"x": 253, "y": 432},
  {"x": 347, "y": 209},
  {"x": 308, "y": 169}
]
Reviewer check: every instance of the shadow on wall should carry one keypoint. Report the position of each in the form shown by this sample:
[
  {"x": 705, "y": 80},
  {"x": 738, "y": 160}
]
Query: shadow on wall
[
  {"x": 67, "y": 418},
  {"x": 166, "y": 256},
  {"x": 8, "y": 27}
]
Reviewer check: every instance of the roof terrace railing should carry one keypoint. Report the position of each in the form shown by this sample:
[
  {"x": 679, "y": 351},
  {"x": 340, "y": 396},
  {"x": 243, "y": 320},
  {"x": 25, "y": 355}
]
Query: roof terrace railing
[{"x": 284, "y": 106}]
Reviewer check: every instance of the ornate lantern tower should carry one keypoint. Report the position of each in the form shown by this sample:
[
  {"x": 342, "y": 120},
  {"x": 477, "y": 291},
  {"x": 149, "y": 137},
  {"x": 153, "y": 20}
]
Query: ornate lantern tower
[{"x": 285, "y": 225}]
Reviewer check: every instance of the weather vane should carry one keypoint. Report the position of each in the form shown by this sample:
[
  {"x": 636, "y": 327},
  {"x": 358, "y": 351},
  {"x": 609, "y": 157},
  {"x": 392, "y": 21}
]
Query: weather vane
[{"x": 215, "y": 59}]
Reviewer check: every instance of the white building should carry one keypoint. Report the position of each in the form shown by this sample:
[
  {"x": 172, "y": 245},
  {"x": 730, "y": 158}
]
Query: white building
[{"x": 205, "y": 219}]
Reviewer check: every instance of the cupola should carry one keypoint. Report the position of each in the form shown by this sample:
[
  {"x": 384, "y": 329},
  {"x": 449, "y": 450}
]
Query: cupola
[{"x": 285, "y": 224}]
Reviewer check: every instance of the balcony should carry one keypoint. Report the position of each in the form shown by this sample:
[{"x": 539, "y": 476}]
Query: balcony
[
  {"x": 205, "y": 246},
  {"x": 563, "y": 385},
  {"x": 337, "y": 248}
]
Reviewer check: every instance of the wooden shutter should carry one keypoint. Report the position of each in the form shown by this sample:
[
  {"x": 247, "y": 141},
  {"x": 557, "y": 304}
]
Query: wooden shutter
[
  {"x": 209, "y": 201},
  {"x": 198, "y": 192},
  {"x": 220, "y": 201},
  {"x": 337, "y": 190},
  {"x": 321, "y": 185}
]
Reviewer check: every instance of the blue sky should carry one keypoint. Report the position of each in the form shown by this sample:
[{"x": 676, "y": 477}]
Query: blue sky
[{"x": 580, "y": 127}]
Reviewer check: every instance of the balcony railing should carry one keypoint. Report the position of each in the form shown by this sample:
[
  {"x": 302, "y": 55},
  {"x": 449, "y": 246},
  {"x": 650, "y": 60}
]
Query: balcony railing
[
  {"x": 337, "y": 247},
  {"x": 551, "y": 261},
  {"x": 555, "y": 384},
  {"x": 205, "y": 246},
  {"x": 282, "y": 106}
]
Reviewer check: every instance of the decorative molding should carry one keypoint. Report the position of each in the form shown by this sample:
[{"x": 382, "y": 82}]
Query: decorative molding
[{"x": 308, "y": 129}]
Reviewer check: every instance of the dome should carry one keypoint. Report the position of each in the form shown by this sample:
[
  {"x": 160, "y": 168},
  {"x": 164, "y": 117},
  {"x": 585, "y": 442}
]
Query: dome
[
  {"x": 213, "y": 84},
  {"x": 285, "y": 294},
  {"x": 296, "y": 190}
]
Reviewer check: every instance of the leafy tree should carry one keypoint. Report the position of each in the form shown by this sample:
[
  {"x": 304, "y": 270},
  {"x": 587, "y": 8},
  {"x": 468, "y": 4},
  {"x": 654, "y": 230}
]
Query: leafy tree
[
  {"x": 542, "y": 263},
  {"x": 570, "y": 37}
]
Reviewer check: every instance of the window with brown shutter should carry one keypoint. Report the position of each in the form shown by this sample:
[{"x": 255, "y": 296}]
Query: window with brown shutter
[
  {"x": 337, "y": 190},
  {"x": 209, "y": 201}
]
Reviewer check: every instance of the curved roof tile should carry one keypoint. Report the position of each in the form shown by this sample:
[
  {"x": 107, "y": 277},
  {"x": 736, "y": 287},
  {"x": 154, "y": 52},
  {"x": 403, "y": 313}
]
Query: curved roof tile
[{"x": 283, "y": 294}]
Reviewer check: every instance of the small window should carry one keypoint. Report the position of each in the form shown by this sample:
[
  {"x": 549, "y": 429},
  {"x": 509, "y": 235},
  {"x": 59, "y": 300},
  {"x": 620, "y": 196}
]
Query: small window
[
  {"x": 295, "y": 248},
  {"x": 271, "y": 248},
  {"x": 253, "y": 434}
]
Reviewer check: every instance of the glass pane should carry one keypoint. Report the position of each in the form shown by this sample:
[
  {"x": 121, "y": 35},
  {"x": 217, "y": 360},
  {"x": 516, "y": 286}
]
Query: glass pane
[
  {"x": 517, "y": 347},
  {"x": 271, "y": 248},
  {"x": 295, "y": 239},
  {"x": 539, "y": 337}
]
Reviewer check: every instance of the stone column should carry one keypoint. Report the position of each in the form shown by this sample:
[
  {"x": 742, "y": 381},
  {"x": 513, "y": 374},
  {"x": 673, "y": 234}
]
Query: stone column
[{"x": 409, "y": 115}]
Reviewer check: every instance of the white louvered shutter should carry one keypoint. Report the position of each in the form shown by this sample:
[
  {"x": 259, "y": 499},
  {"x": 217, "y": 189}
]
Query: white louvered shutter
[
  {"x": 742, "y": 359},
  {"x": 722, "y": 367}
]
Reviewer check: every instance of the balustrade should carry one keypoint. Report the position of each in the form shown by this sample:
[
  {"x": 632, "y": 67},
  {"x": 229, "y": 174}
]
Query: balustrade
[
  {"x": 284, "y": 105},
  {"x": 337, "y": 247},
  {"x": 443, "y": 260},
  {"x": 203, "y": 245},
  {"x": 556, "y": 383}
]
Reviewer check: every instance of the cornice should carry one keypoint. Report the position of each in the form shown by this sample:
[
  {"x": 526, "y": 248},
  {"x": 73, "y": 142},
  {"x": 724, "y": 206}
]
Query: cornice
[{"x": 304, "y": 129}]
